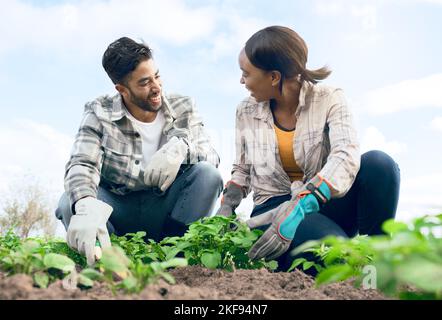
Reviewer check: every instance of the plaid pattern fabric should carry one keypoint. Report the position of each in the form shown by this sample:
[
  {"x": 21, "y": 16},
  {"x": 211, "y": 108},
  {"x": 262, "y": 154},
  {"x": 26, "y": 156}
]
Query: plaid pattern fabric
[
  {"x": 108, "y": 149},
  {"x": 325, "y": 142}
]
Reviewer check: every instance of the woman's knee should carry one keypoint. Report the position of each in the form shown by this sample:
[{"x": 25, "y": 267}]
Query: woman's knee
[
  {"x": 378, "y": 162},
  {"x": 317, "y": 226}
]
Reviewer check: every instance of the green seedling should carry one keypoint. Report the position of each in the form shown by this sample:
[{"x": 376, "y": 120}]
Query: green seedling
[
  {"x": 407, "y": 260},
  {"x": 217, "y": 242}
]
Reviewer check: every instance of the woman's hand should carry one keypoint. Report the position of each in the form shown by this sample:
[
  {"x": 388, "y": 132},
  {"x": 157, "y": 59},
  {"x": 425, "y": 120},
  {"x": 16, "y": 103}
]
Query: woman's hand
[{"x": 284, "y": 221}]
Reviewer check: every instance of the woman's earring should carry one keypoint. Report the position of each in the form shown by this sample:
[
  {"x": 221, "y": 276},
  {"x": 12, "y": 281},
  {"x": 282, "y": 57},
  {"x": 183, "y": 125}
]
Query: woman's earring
[{"x": 299, "y": 77}]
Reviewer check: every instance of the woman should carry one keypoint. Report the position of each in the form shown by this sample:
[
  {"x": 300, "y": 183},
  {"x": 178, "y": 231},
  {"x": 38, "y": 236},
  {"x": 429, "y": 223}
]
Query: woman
[{"x": 297, "y": 150}]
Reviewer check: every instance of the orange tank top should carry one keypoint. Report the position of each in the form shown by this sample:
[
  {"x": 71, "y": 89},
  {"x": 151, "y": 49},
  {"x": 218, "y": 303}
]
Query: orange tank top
[{"x": 285, "y": 145}]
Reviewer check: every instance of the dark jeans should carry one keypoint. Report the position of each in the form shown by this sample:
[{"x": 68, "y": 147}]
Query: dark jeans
[
  {"x": 191, "y": 196},
  {"x": 371, "y": 200}
]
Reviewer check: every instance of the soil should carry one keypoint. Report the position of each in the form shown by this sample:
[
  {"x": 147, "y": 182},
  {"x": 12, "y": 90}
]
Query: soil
[{"x": 197, "y": 283}]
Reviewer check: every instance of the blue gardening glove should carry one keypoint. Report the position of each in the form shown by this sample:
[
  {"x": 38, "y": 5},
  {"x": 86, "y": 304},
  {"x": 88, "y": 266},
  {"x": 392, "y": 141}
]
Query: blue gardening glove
[{"x": 285, "y": 219}]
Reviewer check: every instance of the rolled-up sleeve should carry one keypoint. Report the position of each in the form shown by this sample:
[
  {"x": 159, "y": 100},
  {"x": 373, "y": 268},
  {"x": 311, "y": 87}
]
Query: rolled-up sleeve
[
  {"x": 82, "y": 173},
  {"x": 344, "y": 159},
  {"x": 241, "y": 166},
  {"x": 200, "y": 144}
]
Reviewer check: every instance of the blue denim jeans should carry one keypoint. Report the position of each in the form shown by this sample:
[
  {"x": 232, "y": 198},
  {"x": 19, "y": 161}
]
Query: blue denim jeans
[
  {"x": 191, "y": 196},
  {"x": 371, "y": 200}
]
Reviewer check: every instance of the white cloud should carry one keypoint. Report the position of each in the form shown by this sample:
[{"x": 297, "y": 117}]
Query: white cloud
[
  {"x": 35, "y": 153},
  {"x": 237, "y": 30},
  {"x": 365, "y": 12},
  {"x": 35, "y": 149},
  {"x": 374, "y": 139},
  {"x": 436, "y": 124},
  {"x": 362, "y": 15},
  {"x": 367, "y": 15},
  {"x": 420, "y": 195},
  {"x": 329, "y": 8},
  {"x": 429, "y": 1},
  {"x": 405, "y": 95},
  {"x": 428, "y": 183},
  {"x": 88, "y": 24}
]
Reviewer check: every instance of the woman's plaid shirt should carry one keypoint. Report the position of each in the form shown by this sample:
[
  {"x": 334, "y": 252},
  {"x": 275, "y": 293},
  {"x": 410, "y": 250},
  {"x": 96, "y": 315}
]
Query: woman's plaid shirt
[{"x": 325, "y": 142}]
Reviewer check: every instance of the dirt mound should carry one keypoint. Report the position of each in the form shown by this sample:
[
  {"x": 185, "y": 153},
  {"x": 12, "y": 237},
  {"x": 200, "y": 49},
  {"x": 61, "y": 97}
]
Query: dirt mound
[{"x": 197, "y": 283}]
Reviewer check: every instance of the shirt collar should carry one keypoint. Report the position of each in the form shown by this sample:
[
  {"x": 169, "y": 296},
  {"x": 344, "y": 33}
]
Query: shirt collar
[
  {"x": 262, "y": 110},
  {"x": 119, "y": 110}
]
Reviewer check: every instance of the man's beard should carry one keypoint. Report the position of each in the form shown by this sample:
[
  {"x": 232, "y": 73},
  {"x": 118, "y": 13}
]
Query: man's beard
[{"x": 143, "y": 103}]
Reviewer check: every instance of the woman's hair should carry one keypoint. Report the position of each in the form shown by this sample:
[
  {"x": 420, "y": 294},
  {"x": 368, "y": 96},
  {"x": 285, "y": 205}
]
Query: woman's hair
[
  {"x": 282, "y": 49},
  {"x": 122, "y": 57}
]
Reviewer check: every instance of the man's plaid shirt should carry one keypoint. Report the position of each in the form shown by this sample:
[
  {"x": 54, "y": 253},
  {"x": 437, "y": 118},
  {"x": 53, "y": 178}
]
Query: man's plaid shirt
[
  {"x": 108, "y": 149},
  {"x": 325, "y": 142}
]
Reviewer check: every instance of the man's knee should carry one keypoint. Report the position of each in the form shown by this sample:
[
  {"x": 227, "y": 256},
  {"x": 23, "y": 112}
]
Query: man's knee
[{"x": 210, "y": 175}]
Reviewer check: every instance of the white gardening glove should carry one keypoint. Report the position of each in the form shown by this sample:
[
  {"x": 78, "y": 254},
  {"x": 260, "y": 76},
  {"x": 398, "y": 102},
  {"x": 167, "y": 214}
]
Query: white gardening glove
[
  {"x": 87, "y": 225},
  {"x": 165, "y": 163},
  {"x": 232, "y": 197}
]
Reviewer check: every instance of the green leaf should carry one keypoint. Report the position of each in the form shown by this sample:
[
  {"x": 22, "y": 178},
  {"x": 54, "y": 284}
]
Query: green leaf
[
  {"x": 41, "y": 279},
  {"x": 168, "y": 277},
  {"x": 306, "y": 245},
  {"x": 407, "y": 240},
  {"x": 184, "y": 245},
  {"x": 85, "y": 281},
  {"x": 251, "y": 236},
  {"x": 422, "y": 273},
  {"x": 30, "y": 246},
  {"x": 114, "y": 259},
  {"x": 296, "y": 263},
  {"x": 385, "y": 277},
  {"x": 130, "y": 283},
  {"x": 91, "y": 274},
  {"x": 140, "y": 234},
  {"x": 174, "y": 263},
  {"x": 391, "y": 226},
  {"x": 172, "y": 253},
  {"x": 307, "y": 265},
  {"x": 334, "y": 274},
  {"x": 211, "y": 260},
  {"x": 7, "y": 260},
  {"x": 57, "y": 261},
  {"x": 37, "y": 262},
  {"x": 170, "y": 240},
  {"x": 272, "y": 265},
  {"x": 237, "y": 240}
]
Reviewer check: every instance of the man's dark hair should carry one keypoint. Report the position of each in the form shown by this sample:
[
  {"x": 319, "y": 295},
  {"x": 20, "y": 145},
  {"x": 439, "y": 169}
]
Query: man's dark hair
[{"x": 122, "y": 57}]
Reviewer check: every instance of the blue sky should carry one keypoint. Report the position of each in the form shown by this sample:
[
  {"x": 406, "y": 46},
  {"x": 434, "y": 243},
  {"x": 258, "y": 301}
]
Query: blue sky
[{"x": 384, "y": 54}]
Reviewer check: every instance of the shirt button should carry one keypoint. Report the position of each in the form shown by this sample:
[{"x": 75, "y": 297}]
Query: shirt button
[{"x": 137, "y": 162}]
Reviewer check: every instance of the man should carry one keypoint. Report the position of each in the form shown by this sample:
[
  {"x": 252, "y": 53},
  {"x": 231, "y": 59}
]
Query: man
[{"x": 141, "y": 160}]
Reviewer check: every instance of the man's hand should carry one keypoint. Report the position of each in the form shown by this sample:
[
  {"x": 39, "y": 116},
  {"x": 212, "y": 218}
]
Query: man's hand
[
  {"x": 87, "y": 225},
  {"x": 232, "y": 196},
  {"x": 285, "y": 219},
  {"x": 165, "y": 163}
]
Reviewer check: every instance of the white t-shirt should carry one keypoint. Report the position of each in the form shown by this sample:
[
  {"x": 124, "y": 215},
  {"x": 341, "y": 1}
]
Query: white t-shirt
[{"x": 151, "y": 133}]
